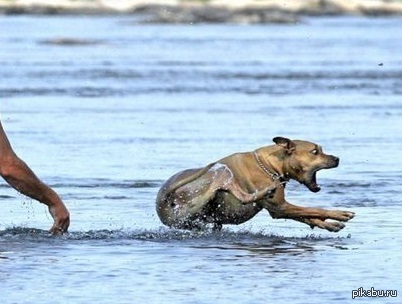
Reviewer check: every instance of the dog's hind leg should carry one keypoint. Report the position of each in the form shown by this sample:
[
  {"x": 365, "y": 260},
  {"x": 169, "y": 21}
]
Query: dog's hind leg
[
  {"x": 225, "y": 180},
  {"x": 246, "y": 197},
  {"x": 187, "y": 179}
]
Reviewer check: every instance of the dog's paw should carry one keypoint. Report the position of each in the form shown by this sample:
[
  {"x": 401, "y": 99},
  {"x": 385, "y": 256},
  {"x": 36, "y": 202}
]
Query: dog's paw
[
  {"x": 332, "y": 226},
  {"x": 343, "y": 216}
]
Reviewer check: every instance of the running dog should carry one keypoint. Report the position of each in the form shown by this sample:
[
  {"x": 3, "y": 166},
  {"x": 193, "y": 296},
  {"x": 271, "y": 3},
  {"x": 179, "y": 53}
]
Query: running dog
[{"x": 237, "y": 187}]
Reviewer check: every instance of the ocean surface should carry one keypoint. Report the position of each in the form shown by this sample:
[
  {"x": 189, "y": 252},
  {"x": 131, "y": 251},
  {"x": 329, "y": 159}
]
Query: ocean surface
[{"x": 105, "y": 109}]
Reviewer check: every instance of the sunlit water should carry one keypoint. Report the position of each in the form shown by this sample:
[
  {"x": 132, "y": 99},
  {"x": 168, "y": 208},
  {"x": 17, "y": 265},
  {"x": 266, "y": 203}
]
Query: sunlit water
[{"x": 106, "y": 123}]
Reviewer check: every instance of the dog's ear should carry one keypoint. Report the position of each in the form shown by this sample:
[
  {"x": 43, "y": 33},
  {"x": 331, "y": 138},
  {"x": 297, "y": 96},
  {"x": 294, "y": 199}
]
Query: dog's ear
[{"x": 285, "y": 143}]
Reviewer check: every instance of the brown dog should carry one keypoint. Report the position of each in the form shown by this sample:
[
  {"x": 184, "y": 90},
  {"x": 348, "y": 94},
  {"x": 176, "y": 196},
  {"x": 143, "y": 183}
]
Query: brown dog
[{"x": 235, "y": 188}]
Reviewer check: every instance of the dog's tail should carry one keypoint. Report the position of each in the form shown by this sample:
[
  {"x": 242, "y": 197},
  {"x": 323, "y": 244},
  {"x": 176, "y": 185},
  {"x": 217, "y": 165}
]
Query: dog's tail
[{"x": 188, "y": 179}]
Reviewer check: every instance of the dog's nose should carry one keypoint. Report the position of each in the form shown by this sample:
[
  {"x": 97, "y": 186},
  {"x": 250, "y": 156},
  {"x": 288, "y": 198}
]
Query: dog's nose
[{"x": 336, "y": 160}]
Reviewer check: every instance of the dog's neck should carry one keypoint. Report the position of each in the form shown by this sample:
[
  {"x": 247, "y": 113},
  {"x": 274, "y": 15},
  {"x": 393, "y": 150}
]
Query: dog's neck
[{"x": 269, "y": 169}]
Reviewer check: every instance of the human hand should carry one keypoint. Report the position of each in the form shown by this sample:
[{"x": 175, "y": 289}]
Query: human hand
[{"x": 61, "y": 218}]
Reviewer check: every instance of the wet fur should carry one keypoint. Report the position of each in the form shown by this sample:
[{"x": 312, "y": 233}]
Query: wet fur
[{"x": 234, "y": 189}]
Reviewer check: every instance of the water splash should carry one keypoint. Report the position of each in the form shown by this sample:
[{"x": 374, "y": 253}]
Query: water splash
[{"x": 162, "y": 234}]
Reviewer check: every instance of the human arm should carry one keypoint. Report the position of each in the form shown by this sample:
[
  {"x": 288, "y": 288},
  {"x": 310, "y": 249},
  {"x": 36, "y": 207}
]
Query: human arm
[{"x": 17, "y": 173}]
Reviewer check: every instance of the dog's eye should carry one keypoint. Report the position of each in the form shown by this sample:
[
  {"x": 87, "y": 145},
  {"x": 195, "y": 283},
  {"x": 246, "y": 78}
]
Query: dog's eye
[{"x": 315, "y": 151}]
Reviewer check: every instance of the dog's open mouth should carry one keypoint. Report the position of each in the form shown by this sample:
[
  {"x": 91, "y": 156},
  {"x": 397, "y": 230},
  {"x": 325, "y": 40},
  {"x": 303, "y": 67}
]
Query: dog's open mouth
[{"x": 311, "y": 182}]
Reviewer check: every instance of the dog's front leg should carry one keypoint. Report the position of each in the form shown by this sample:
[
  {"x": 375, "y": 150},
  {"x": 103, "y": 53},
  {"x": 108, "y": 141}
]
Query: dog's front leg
[
  {"x": 317, "y": 217},
  {"x": 287, "y": 210}
]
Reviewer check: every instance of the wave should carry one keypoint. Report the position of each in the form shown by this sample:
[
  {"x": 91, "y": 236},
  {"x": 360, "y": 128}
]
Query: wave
[
  {"x": 107, "y": 183},
  {"x": 183, "y": 79}
]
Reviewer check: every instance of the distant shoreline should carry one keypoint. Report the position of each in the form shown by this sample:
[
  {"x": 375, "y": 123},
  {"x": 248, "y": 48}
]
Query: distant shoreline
[{"x": 205, "y": 11}]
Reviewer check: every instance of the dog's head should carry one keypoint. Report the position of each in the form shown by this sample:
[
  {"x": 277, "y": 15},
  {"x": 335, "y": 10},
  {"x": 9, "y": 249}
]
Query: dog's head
[{"x": 302, "y": 160}]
